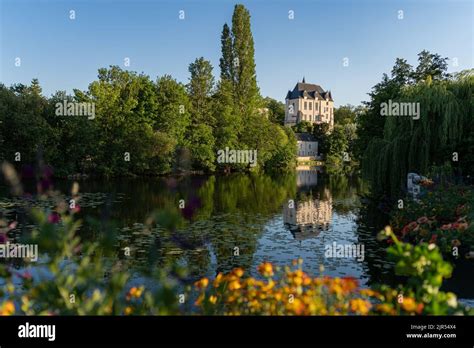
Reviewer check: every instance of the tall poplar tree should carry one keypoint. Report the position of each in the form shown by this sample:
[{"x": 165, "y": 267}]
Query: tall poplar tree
[
  {"x": 246, "y": 93},
  {"x": 226, "y": 49}
]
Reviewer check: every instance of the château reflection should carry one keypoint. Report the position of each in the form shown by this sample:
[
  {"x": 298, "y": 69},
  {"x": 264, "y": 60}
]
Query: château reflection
[{"x": 311, "y": 211}]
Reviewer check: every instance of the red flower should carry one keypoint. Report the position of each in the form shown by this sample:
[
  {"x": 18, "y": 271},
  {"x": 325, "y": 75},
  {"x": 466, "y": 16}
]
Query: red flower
[
  {"x": 53, "y": 218},
  {"x": 422, "y": 220},
  {"x": 433, "y": 238},
  {"x": 411, "y": 226}
]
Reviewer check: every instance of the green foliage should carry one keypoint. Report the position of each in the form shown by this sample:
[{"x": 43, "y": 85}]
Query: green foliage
[
  {"x": 142, "y": 127},
  {"x": 200, "y": 135},
  {"x": 284, "y": 156},
  {"x": 424, "y": 269},
  {"x": 74, "y": 276},
  {"x": 244, "y": 77},
  {"x": 347, "y": 114},
  {"x": 391, "y": 147},
  {"x": 23, "y": 127},
  {"x": 276, "y": 110},
  {"x": 303, "y": 127},
  {"x": 431, "y": 65}
]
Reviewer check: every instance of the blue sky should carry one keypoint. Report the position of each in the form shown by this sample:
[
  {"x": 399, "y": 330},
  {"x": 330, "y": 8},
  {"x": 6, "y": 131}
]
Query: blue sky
[{"x": 65, "y": 54}]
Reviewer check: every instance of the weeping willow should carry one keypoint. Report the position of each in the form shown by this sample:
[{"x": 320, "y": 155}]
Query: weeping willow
[{"x": 414, "y": 145}]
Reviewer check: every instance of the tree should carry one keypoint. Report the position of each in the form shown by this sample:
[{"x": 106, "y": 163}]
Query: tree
[
  {"x": 200, "y": 88},
  {"x": 409, "y": 145},
  {"x": 337, "y": 145},
  {"x": 24, "y": 132},
  {"x": 276, "y": 110},
  {"x": 430, "y": 64},
  {"x": 321, "y": 133},
  {"x": 35, "y": 88},
  {"x": 226, "y": 61},
  {"x": 402, "y": 72},
  {"x": 173, "y": 108},
  {"x": 200, "y": 134},
  {"x": 246, "y": 92},
  {"x": 303, "y": 127},
  {"x": 345, "y": 114}
]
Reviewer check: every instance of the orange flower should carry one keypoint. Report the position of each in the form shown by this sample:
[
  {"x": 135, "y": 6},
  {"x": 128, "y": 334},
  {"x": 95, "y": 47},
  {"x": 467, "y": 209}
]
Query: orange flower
[
  {"x": 135, "y": 292},
  {"x": 359, "y": 305},
  {"x": 8, "y": 308},
  {"x": 409, "y": 304},
  {"x": 297, "y": 306},
  {"x": 202, "y": 283},
  {"x": 266, "y": 269}
]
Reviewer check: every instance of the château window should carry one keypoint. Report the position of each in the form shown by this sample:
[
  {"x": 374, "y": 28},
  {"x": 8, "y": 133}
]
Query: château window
[
  {"x": 316, "y": 106},
  {"x": 305, "y": 105},
  {"x": 311, "y": 105}
]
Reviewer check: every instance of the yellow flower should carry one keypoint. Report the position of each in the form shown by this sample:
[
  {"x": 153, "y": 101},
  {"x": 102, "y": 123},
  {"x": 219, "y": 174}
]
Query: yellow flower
[
  {"x": 128, "y": 310},
  {"x": 213, "y": 299},
  {"x": 234, "y": 285},
  {"x": 298, "y": 280},
  {"x": 269, "y": 286},
  {"x": 298, "y": 306},
  {"x": 239, "y": 272},
  {"x": 218, "y": 280},
  {"x": 336, "y": 288}
]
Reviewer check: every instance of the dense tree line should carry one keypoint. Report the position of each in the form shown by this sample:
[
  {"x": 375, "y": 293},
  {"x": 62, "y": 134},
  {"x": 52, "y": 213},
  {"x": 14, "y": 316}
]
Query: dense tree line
[
  {"x": 443, "y": 135},
  {"x": 146, "y": 127}
]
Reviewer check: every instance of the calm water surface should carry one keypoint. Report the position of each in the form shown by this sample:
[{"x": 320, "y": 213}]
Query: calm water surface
[{"x": 242, "y": 220}]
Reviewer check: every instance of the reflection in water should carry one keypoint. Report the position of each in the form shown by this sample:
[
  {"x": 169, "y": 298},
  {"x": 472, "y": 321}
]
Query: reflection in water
[
  {"x": 307, "y": 176},
  {"x": 248, "y": 212},
  {"x": 307, "y": 216}
]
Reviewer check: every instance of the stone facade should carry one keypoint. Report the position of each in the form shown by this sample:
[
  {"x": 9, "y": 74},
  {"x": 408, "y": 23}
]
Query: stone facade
[
  {"x": 309, "y": 102},
  {"x": 307, "y": 146}
]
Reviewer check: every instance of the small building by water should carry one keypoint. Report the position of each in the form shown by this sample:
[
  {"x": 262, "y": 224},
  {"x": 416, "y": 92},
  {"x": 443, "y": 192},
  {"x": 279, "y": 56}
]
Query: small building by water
[{"x": 307, "y": 147}]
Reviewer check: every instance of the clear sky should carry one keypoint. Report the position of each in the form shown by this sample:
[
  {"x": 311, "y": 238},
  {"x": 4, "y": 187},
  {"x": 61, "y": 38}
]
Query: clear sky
[{"x": 65, "y": 54}]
